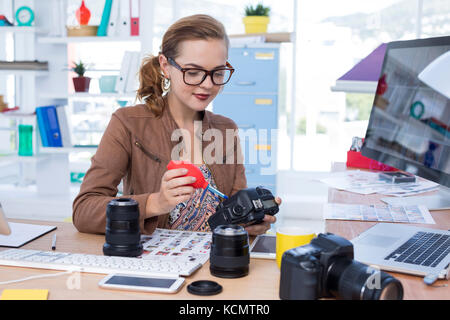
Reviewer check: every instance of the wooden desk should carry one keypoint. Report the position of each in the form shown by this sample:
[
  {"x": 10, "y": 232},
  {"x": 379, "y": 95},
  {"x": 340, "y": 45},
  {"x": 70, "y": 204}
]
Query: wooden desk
[
  {"x": 413, "y": 286},
  {"x": 262, "y": 283}
]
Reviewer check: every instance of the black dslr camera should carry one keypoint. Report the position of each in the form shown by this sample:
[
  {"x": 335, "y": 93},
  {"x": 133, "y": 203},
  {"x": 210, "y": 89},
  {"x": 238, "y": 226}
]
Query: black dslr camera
[
  {"x": 325, "y": 268},
  {"x": 247, "y": 206}
]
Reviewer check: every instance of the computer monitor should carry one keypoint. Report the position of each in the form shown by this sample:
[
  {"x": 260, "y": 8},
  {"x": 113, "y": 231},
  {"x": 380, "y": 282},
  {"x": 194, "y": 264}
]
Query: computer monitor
[{"x": 409, "y": 125}]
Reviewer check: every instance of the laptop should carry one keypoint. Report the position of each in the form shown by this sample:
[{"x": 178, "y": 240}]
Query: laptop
[{"x": 405, "y": 248}]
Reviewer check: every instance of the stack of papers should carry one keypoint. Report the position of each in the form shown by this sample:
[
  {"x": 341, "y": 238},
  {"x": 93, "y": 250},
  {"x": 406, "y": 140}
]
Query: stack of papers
[
  {"x": 365, "y": 182},
  {"x": 380, "y": 213}
]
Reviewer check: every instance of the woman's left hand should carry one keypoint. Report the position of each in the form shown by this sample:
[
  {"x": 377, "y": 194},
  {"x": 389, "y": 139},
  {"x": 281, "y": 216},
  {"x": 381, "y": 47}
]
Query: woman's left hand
[{"x": 262, "y": 227}]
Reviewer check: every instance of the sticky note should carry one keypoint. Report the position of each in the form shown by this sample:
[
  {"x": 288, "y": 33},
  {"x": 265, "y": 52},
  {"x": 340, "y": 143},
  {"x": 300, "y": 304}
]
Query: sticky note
[{"x": 24, "y": 294}]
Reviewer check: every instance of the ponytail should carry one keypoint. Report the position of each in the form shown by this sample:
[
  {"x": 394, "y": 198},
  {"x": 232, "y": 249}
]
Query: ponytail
[{"x": 150, "y": 91}]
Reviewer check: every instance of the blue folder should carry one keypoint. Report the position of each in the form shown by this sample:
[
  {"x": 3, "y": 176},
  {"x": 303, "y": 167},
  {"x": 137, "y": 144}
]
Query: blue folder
[
  {"x": 51, "y": 125},
  {"x": 42, "y": 126}
]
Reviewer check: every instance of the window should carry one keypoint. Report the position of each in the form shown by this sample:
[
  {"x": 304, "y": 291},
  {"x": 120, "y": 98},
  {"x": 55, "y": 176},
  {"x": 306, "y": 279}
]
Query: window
[{"x": 332, "y": 37}]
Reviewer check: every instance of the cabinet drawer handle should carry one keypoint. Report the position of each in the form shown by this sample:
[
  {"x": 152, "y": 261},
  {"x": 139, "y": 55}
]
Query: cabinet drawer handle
[
  {"x": 246, "y": 83},
  {"x": 265, "y": 55},
  {"x": 263, "y": 147},
  {"x": 263, "y": 101}
]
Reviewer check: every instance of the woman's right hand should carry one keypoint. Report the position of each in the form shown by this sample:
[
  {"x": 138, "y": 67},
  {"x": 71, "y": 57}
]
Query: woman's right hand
[{"x": 174, "y": 190}]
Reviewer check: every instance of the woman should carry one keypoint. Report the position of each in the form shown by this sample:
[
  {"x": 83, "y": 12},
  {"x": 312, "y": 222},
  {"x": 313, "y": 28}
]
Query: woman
[{"x": 176, "y": 87}]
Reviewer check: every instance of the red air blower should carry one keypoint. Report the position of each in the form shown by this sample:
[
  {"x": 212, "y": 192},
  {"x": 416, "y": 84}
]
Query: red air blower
[{"x": 194, "y": 171}]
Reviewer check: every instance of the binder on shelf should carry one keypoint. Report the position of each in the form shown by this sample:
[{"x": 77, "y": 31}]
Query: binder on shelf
[
  {"x": 64, "y": 126},
  {"x": 42, "y": 126},
  {"x": 62, "y": 17},
  {"x": 103, "y": 27},
  {"x": 49, "y": 126},
  {"x": 134, "y": 17},
  {"x": 53, "y": 133},
  {"x": 124, "y": 28},
  {"x": 113, "y": 19},
  {"x": 124, "y": 70},
  {"x": 133, "y": 78},
  {"x": 56, "y": 30}
]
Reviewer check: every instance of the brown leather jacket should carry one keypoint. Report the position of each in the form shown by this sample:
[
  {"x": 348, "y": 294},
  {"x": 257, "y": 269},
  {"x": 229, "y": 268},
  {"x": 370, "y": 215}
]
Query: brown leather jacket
[{"x": 136, "y": 147}]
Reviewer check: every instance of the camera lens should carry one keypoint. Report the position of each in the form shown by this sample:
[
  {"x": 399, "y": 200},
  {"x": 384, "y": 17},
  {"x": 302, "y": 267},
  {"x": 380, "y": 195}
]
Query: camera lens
[
  {"x": 238, "y": 210},
  {"x": 122, "y": 236},
  {"x": 229, "y": 254},
  {"x": 352, "y": 280}
]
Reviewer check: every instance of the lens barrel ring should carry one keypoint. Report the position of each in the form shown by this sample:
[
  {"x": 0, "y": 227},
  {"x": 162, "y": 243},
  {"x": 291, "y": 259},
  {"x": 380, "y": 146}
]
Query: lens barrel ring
[
  {"x": 122, "y": 232},
  {"x": 229, "y": 253},
  {"x": 359, "y": 281}
]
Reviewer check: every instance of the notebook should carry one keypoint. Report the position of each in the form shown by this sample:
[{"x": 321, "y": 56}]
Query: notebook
[
  {"x": 22, "y": 233},
  {"x": 17, "y": 234}
]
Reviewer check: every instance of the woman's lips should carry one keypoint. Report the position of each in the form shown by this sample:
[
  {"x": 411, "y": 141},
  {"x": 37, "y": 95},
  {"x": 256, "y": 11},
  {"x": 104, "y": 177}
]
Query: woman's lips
[{"x": 201, "y": 96}]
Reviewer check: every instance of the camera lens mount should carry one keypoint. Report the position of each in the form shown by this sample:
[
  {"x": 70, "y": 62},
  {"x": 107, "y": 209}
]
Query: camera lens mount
[{"x": 238, "y": 210}]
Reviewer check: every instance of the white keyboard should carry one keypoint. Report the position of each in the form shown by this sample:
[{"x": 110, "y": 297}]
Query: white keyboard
[{"x": 95, "y": 263}]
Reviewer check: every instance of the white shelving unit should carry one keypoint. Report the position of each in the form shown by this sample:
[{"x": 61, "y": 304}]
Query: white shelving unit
[
  {"x": 24, "y": 73},
  {"x": 66, "y": 40},
  {"x": 39, "y": 88},
  {"x": 18, "y": 29},
  {"x": 51, "y": 150},
  {"x": 81, "y": 95}
]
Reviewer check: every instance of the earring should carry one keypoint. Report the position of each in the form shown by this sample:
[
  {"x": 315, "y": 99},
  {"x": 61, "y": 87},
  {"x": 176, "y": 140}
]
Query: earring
[{"x": 165, "y": 85}]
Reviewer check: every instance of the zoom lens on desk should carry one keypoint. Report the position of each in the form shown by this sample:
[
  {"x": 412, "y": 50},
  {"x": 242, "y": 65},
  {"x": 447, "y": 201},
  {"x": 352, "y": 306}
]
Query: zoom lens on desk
[
  {"x": 122, "y": 236},
  {"x": 229, "y": 255}
]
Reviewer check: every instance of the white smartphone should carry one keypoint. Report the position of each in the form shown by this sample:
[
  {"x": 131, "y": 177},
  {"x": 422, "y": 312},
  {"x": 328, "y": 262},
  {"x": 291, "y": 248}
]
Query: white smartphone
[
  {"x": 142, "y": 283},
  {"x": 264, "y": 246}
]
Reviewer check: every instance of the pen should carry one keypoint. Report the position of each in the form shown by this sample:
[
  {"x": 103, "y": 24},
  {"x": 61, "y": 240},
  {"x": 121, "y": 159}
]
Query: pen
[
  {"x": 54, "y": 242},
  {"x": 213, "y": 190}
]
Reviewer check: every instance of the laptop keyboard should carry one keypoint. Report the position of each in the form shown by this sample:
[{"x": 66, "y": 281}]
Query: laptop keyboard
[{"x": 424, "y": 248}]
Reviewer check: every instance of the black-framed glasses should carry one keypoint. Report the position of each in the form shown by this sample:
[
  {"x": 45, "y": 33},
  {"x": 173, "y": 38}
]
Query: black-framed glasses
[{"x": 195, "y": 76}]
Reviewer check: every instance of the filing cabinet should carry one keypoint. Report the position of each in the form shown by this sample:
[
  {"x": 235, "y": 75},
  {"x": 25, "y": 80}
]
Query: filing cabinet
[{"x": 250, "y": 99}]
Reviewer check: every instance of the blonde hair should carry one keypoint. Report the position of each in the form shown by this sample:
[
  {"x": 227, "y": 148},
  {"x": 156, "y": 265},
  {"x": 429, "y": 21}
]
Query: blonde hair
[{"x": 195, "y": 27}]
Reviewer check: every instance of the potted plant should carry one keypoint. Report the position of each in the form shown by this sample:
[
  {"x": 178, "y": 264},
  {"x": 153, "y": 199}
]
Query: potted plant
[
  {"x": 256, "y": 18},
  {"x": 81, "y": 83}
]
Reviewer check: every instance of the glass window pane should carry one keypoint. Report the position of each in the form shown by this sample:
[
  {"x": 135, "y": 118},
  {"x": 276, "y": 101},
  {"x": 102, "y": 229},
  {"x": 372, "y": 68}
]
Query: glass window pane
[
  {"x": 435, "y": 18},
  {"x": 332, "y": 37}
]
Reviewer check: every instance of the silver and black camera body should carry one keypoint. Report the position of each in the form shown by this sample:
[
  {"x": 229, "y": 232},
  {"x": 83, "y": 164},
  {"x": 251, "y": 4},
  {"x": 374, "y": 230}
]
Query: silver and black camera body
[
  {"x": 325, "y": 268},
  {"x": 247, "y": 206}
]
